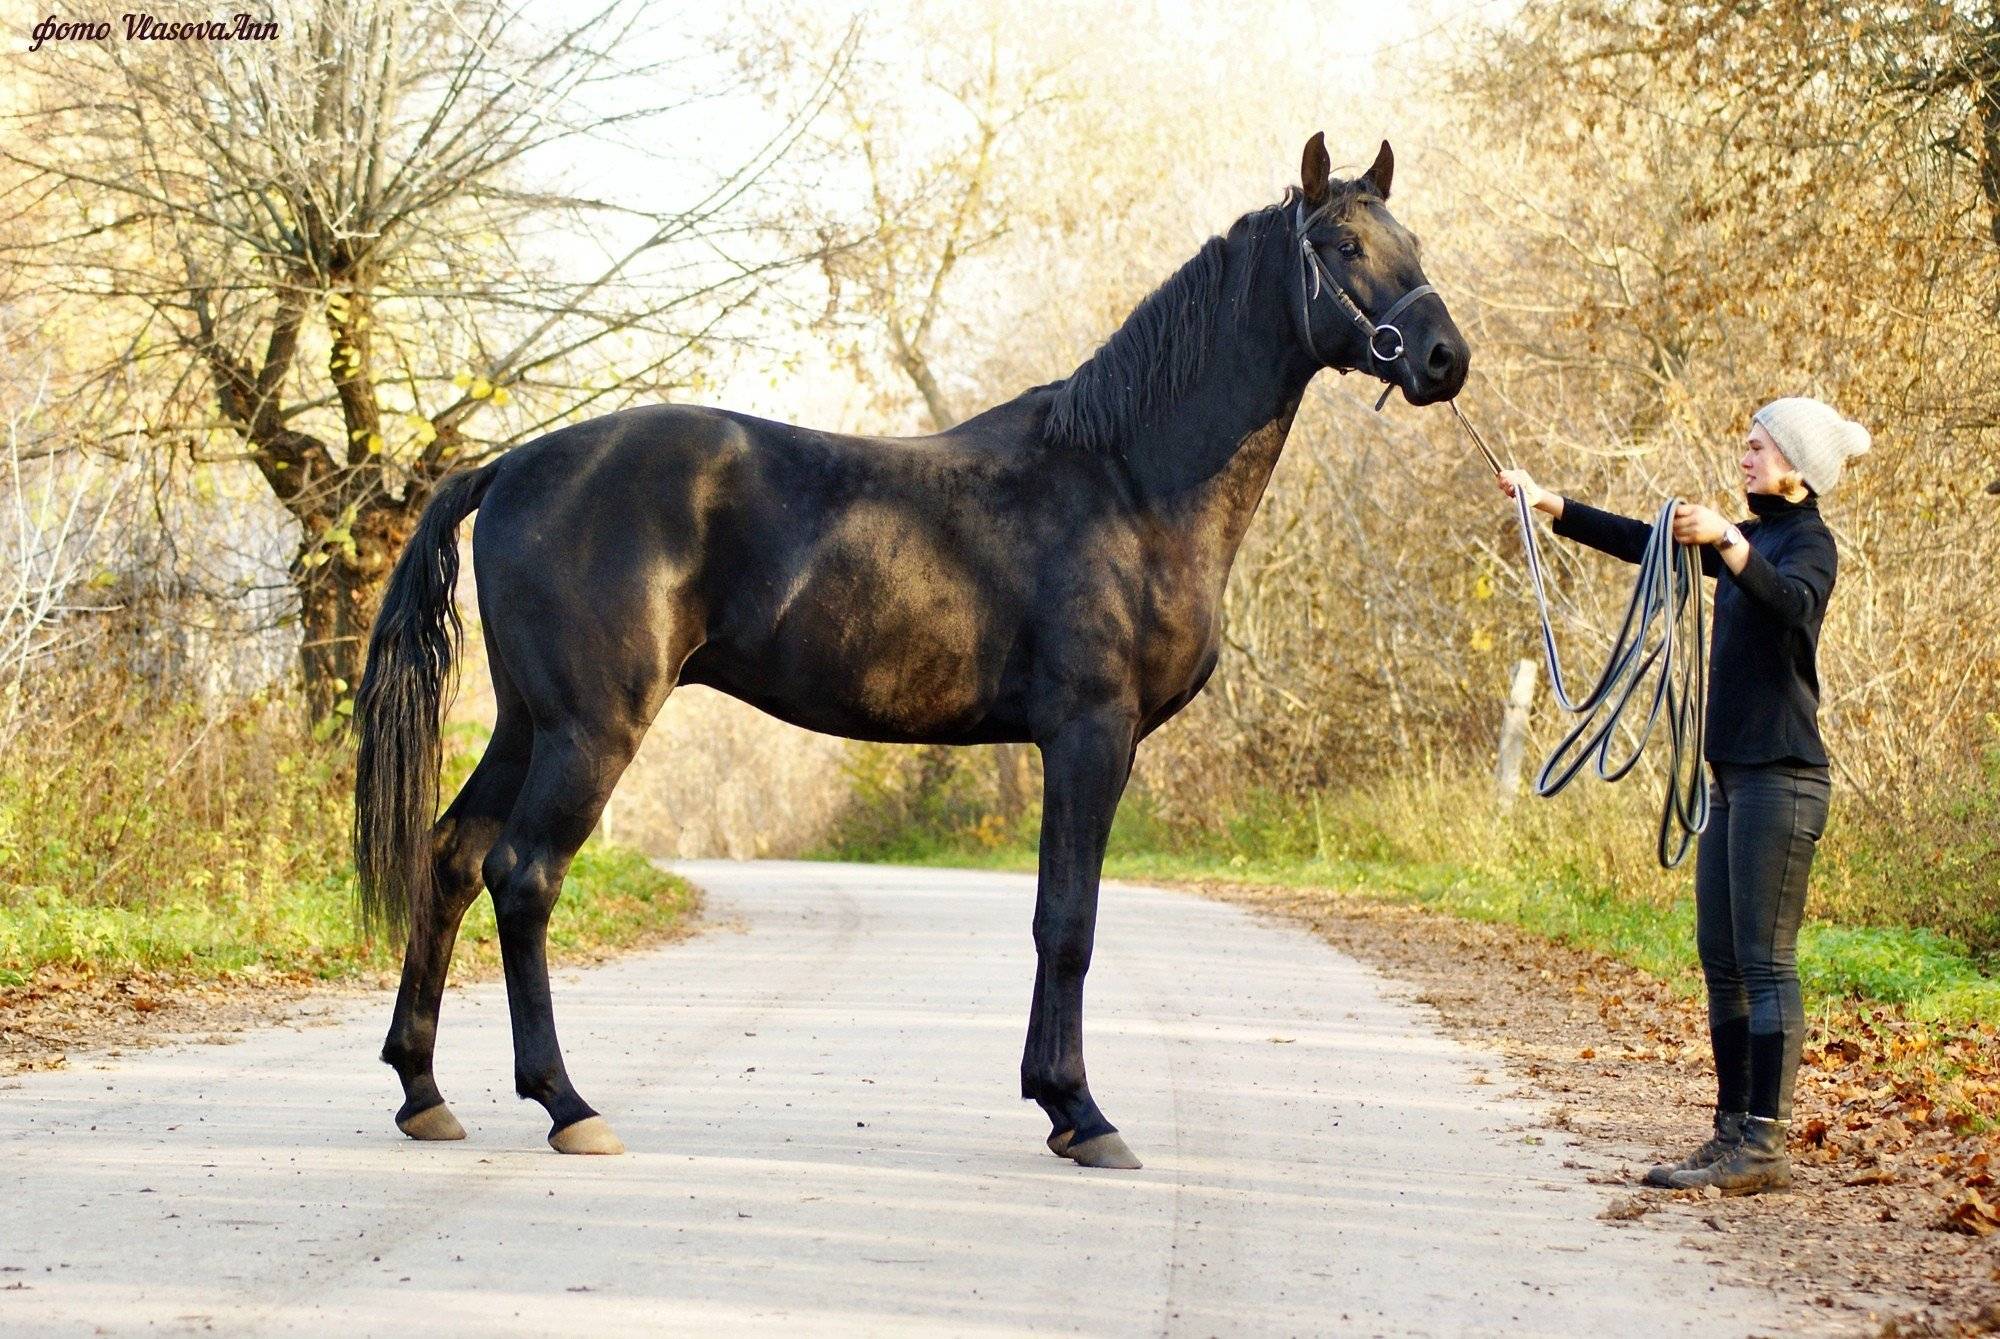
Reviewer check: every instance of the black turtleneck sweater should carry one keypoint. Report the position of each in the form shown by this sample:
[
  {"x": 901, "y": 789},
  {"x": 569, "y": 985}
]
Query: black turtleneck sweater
[{"x": 1763, "y": 678}]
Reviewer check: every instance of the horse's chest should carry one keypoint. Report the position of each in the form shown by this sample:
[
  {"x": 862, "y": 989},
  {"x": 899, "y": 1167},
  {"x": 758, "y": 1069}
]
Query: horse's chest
[{"x": 1180, "y": 637}]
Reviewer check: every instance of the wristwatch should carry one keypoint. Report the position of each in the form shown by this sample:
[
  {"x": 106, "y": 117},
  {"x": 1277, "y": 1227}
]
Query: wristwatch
[{"x": 1731, "y": 537}]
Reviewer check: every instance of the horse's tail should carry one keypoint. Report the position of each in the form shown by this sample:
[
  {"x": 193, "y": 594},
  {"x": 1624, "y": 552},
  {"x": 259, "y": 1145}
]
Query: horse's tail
[{"x": 410, "y": 662}]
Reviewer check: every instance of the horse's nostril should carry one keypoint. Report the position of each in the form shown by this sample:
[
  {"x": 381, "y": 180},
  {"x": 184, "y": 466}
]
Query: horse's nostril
[{"x": 1442, "y": 360}]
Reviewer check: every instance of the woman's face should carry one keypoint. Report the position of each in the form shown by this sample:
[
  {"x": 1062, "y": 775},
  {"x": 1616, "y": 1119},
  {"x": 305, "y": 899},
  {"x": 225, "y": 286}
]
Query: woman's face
[{"x": 1765, "y": 469}]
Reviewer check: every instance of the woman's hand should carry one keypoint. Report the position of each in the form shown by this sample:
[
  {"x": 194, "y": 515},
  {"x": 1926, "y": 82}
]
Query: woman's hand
[
  {"x": 1697, "y": 525},
  {"x": 1512, "y": 481}
]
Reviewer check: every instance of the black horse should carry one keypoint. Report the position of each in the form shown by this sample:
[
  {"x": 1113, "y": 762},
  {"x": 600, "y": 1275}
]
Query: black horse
[{"x": 1051, "y": 570}]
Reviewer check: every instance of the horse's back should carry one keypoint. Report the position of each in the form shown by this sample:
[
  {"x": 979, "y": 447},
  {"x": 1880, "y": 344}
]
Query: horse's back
[
  {"x": 864, "y": 586},
  {"x": 670, "y": 460}
]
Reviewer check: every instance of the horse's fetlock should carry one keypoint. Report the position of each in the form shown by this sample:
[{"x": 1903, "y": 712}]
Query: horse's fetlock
[
  {"x": 1059, "y": 1082},
  {"x": 409, "y": 1054},
  {"x": 1068, "y": 960}
]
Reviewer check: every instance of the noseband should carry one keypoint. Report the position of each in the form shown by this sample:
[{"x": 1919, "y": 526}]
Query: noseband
[{"x": 1385, "y": 340}]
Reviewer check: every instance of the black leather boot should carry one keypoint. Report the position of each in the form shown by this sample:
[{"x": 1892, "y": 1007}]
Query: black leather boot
[
  {"x": 1728, "y": 1133},
  {"x": 1755, "y": 1165}
]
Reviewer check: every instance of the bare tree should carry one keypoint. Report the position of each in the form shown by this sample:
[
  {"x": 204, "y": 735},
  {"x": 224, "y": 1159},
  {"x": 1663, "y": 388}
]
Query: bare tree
[
  {"x": 349, "y": 264},
  {"x": 929, "y": 211},
  {"x": 940, "y": 188},
  {"x": 51, "y": 526}
]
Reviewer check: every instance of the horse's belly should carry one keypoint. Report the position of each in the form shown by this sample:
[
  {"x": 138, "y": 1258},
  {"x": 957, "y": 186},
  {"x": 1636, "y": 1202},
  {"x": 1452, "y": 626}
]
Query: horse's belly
[
  {"x": 915, "y": 654},
  {"x": 917, "y": 692},
  {"x": 897, "y": 678}
]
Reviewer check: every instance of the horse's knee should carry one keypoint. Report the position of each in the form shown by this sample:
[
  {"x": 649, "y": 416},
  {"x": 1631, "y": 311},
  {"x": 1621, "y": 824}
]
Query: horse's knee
[{"x": 1064, "y": 953}]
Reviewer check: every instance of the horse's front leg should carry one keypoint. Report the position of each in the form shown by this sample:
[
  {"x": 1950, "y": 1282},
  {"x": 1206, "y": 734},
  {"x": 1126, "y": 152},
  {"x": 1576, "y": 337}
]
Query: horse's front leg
[{"x": 1085, "y": 763}]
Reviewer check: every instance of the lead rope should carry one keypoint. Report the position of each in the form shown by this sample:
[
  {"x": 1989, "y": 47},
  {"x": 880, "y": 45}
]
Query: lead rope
[{"x": 1667, "y": 592}]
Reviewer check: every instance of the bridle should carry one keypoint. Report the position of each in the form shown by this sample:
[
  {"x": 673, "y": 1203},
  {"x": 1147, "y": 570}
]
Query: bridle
[{"x": 1322, "y": 280}]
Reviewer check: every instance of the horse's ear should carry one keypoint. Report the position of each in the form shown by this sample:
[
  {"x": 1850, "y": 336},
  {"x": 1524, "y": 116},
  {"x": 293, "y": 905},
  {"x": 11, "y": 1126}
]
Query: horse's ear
[
  {"x": 1385, "y": 168},
  {"x": 1315, "y": 170}
]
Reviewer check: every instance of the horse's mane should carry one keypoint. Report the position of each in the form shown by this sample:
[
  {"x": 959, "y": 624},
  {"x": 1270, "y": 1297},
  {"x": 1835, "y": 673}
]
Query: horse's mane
[{"x": 1152, "y": 359}]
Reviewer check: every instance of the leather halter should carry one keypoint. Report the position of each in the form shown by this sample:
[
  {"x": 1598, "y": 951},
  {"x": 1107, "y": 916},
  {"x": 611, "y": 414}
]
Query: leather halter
[{"x": 1310, "y": 265}]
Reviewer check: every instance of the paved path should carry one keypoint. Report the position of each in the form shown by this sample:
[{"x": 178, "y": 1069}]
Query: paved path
[{"x": 819, "y": 1099}]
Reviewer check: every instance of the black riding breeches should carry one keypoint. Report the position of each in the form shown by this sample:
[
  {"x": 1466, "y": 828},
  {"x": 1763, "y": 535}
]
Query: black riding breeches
[{"x": 1764, "y": 824}]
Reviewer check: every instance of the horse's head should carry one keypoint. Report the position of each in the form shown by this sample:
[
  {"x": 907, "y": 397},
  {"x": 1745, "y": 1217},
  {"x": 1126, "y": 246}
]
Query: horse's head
[{"x": 1362, "y": 302}]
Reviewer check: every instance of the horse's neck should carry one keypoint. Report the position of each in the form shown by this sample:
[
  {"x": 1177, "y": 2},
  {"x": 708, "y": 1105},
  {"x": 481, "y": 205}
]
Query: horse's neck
[{"x": 1205, "y": 469}]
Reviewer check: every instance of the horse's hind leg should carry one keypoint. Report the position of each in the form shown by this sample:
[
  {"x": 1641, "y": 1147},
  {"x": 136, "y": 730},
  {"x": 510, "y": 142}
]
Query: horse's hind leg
[
  {"x": 461, "y": 839},
  {"x": 574, "y": 769}
]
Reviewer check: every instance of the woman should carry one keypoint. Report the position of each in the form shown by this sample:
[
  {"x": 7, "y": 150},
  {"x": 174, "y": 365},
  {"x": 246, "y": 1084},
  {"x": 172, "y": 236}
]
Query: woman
[{"x": 1768, "y": 768}]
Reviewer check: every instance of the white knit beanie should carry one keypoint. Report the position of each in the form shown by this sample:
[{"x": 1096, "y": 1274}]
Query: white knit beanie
[{"x": 1814, "y": 437}]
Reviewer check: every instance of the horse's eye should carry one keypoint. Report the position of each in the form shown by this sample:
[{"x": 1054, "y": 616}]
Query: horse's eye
[{"x": 1350, "y": 249}]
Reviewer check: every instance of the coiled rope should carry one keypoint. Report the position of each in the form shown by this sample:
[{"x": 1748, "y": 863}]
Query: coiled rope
[{"x": 1666, "y": 595}]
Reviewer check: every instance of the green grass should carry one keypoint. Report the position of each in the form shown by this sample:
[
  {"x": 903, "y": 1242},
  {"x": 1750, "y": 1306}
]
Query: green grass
[
  {"x": 216, "y": 845},
  {"x": 1369, "y": 847},
  {"x": 613, "y": 897}
]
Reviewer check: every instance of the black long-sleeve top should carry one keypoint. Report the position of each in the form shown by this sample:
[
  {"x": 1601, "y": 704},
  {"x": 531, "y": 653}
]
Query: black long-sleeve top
[{"x": 1763, "y": 677}]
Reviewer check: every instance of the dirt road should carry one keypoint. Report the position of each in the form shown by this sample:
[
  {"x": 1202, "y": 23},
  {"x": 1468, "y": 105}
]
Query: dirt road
[{"x": 819, "y": 1098}]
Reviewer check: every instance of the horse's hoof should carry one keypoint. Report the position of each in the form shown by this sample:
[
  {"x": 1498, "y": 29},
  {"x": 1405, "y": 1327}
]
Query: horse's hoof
[
  {"x": 432, "y": 1123},
  {"x": 592, "y": 1134},
  {"x": 1059, "y": 1142},
  {"x": 1107, "y": 1150}
]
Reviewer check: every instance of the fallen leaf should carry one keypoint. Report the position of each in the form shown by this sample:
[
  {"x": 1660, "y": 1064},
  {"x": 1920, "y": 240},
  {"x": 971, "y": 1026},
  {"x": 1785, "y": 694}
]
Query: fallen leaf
[{"x": 1973, "y": 1216}]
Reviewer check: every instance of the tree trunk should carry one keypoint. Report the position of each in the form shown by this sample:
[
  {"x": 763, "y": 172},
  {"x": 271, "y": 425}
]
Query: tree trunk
[
  {"x": 1986, "y": 98},
  {"x": 334, "y": 613},
  {"x": 918, "y": 369},
  {"x": 1010, "y": 789}
]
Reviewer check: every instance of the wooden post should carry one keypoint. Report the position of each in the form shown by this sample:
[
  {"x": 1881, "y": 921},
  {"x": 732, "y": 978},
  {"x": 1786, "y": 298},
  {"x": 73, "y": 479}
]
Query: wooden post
[{"x": 1514, "y": 732}]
